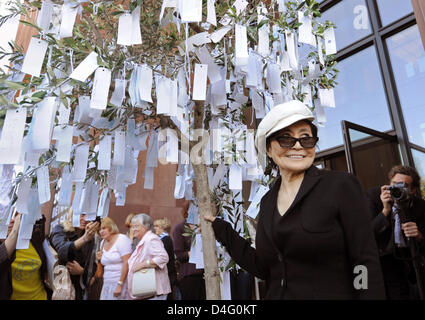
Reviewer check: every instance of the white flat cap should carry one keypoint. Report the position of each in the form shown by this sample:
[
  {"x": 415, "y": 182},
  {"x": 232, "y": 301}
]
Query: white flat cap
[{"x": 281, "y": 116}]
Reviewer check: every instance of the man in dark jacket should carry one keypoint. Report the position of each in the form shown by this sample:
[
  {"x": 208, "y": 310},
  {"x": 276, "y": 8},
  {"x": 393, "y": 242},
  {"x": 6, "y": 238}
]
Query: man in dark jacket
[
  {"x": 75, "y": 250},
  {"x": 391, "y": 233}
]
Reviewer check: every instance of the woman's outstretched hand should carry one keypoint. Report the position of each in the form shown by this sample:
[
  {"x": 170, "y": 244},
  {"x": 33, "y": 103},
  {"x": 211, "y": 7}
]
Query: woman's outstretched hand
[{"x": 209, "y": 218}]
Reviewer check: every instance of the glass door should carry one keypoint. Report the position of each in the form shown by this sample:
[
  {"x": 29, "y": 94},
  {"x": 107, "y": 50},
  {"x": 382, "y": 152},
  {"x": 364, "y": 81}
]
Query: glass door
[{"x": 369, "y": 154}]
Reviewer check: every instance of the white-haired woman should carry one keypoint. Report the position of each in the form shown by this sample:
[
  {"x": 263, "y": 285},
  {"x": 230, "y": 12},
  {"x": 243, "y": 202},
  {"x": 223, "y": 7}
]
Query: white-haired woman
[
  {"x": 149, "y": 253},
  {"x": 314, "y": 235}
]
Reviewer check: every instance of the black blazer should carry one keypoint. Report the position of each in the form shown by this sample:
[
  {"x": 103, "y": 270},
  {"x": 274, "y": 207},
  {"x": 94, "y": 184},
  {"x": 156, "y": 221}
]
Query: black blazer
[
  {"x": 333, "y": 234},
  {"x": 171, "y": 265}
]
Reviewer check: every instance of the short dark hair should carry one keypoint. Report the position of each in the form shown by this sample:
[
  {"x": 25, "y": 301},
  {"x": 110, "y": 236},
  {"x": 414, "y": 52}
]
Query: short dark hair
[
  {"x": 407, "y": 171},
  {"x": 269, "y": 140}
]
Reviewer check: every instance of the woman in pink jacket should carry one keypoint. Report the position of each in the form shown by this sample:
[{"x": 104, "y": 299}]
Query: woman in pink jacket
[{"x": 149, "y": 253}]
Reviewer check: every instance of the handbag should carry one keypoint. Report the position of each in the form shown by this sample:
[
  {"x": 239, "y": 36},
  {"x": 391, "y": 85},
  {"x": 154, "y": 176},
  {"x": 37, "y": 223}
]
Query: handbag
[
  {"x": 144, "y": 283},
  {"x": 59, "y": 277}
]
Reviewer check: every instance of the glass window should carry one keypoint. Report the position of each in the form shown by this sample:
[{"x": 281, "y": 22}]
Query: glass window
[
  {"x": 419, "y": 158},
  {"x": 392, "y": 10},
  {"x": 351, "y": 18},
  {"x": 408, "y": 62},
  {"x": 359, "y": 98}
]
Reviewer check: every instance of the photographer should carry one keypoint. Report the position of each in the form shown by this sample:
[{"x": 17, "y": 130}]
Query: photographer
[{"x": 391, "y": 234}]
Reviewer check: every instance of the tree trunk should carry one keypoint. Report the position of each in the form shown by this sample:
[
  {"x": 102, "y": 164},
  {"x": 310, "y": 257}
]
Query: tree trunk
[{"x": 211, "y": 272}]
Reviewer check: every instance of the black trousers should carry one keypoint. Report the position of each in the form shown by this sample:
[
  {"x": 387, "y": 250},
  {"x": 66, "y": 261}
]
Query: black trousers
[
  {"x": 192, "y": 287},
  {"x": 395, "y": 278}
]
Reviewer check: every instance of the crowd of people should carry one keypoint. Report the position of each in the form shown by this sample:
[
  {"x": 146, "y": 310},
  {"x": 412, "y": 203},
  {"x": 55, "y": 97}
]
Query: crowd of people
[
  {"x": 316, "y": 230},
  {"x": 96, "y": 252}
]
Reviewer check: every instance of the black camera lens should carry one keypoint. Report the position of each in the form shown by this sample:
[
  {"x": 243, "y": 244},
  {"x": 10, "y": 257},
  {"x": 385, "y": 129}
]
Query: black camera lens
[{"x": 399, "y": 191}]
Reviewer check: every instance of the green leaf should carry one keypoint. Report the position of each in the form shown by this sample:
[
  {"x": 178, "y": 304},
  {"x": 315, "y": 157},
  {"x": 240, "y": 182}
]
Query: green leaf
[
  {"x": 30, "y": 24},
  {"x": 15, "y": 85},
  {"x": 3, "y": 100}
]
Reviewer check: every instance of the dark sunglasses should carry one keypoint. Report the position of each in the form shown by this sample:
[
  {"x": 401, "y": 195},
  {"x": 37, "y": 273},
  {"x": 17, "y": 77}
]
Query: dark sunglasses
[{"x": 289, "y": 142}]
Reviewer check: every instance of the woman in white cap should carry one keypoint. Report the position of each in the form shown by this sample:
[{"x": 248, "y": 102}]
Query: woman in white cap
[{"x": 314, "y": 235}]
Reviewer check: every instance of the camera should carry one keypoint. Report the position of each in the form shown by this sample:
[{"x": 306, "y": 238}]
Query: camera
[{"x": 399, "y": 191}]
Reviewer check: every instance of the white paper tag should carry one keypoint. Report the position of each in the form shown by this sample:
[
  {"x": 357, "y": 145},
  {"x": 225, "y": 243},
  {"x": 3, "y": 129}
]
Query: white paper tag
[
  {"x": 80, "y": 162},
  {"x": 163, "y": 95},
  {"x": 34, "y": 57},
  {"x": 273, "y": 78},
  {"x": 305, "y": 31},
  {"x": 263, "y": 41},
  {"x": 89, "y": 197},
  {"x": 282, "y": 7},
  {"x": 196, "y": 253},
  {"x": 240, "y": 6},
  {"x": 76, "y": 219},
  {"x": 43, "y": 184},
  {"x": 172, "y": 147},
  {"x": 197, "y": 40},
  {"x": 252, "y": 74},
  {"x": 12, "y": 136},
  {"x": 69, "y": 14},
  {"x": 167, "y": 4},
  {"x": 173, "y": 111},
  {"x": 104, "y": 157},
  {"x": 136, "y": 35},
  {"x": 152, "y": 153},
  {"x": 125, "y": 27},
  {"x": 64, "y": 143},
  {"x": 306, "y": 91},
  {"x": 149, "y": 177},
  {"x": 327, "y": 98},
  {"x": 22, "y": 244},
  {"x": 190, "y": 10},
  {"x": 64, "y": 113},
  {"x": 251, "y": 154},
  {"x": 290, "y": 46},
  {"x": 85, "y": 68},
  {"x": 258, "y": 104},
  {"x": 211, "y": 15},
  {"x": 103, "y": 208},
  {"x": 216, "y": 36},
  {"x": 119, "y": 148},
  {"x": 42, "y": 124},
  {"x": 213, "y": 69},
  {"x": 200, "y": 82},
  {"x": 235, "y": 177},
  {"x": 118, "y": 95},
  {"x": 182, "y": 89},
  {"x": 330, "y": 43},
  {"x": 254, "y": 207},
  {"x": 120, "y": 199},
  {"x": 45, "y": 15},
  {"x": 76, "y": 200},
  {"x": 22, "y": 194},
  {"x": 320, "y": 111},
  {"x": 145, "y": 76},
  {"x": 102, "y": 81},
  {"x": 82, "y": 116},
  {"x": 241, "y": 45}
]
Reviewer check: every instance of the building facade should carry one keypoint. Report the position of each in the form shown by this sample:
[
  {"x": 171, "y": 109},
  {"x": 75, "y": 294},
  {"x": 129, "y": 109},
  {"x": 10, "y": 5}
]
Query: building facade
[{"x": 381, "y": 84}]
